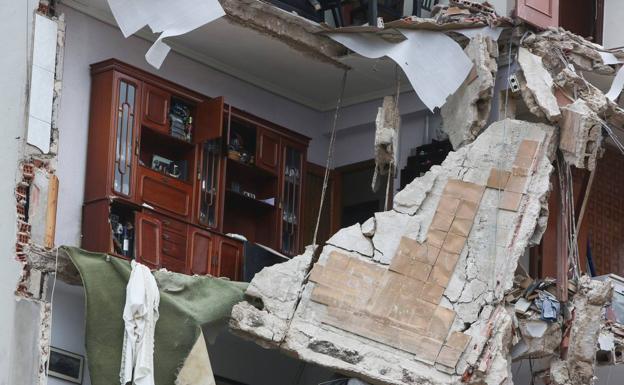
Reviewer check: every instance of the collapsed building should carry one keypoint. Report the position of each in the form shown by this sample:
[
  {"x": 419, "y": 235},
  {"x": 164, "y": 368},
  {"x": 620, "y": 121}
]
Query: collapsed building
[
  {"x": 421, "y": 293},
  {"x": 431, "y": 288}
]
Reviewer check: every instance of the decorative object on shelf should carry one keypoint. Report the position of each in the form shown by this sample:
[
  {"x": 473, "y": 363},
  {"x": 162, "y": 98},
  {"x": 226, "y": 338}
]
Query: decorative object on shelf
[
  {"x": 175, "y": 169},
  {"x": 123, "y": 235},
  {"x": 66, "y": 365},
  {"x": 249, "y": 195},
  {"x": 237, "y": 150},
  {"x": 234, "y": 155},
  {"x": 181, "y": 121},
  {"x": 236, "y": 187}
]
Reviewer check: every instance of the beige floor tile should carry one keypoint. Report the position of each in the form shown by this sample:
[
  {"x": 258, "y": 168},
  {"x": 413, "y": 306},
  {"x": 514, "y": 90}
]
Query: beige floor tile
[
  {"x": 461, "y": 226},
  {"x": 454, "y": 243},
  {"x": 448, "y": 356},
  {"x": 510, "y": 201},
  {"x": 448, "y": 204},
  {"x": 498, "y": 178},
  {"x": 441, "y": 323},
  {"x": 458, "y": 341}
]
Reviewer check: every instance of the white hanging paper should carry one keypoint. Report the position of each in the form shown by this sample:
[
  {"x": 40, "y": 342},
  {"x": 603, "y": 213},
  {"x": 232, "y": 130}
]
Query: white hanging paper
[
  {"x": 171, "y": 18},
  {"x": 616, "y": 86},
  {"x": 433, "y": 62}
]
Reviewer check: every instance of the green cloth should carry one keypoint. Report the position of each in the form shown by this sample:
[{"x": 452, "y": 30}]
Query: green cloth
[{"x": 186, "y": 304}]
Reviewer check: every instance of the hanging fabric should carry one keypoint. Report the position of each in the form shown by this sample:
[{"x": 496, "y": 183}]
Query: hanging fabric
[{"x": 140, "y": 315}]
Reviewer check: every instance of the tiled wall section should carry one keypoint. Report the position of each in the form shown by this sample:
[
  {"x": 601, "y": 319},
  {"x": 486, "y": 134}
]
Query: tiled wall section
[{"x": 400, "y": 306}]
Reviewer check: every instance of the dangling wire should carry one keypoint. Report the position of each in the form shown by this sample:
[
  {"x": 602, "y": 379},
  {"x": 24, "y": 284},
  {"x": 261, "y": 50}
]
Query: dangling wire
[{"x": 330, "y": 154}]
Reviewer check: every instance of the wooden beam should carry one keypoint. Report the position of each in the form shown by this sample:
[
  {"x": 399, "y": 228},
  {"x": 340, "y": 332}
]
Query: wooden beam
[{"x": 50, "y": 223}]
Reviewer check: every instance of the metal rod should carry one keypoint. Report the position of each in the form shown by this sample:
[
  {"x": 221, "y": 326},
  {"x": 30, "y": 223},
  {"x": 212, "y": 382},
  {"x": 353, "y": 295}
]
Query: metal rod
[{"x": 372, "y": 13}]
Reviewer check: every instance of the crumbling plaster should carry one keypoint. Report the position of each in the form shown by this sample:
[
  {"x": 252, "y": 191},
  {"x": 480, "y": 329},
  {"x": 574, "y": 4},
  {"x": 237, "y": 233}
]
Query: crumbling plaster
[
  {"x": 474, "y": 96},
  {"x": 15, "y": 30},
  {"x": 475, "y": 291}
]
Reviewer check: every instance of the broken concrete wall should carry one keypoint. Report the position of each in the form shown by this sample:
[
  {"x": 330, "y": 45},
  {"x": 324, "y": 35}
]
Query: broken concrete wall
[
  {"x": 577, "y": 368},
  {"x": 580, "y": 136},
  {"x": 554, "y": 88},
  {"x": 322, "y": 321},
  {"x": 466, "y": 112}
]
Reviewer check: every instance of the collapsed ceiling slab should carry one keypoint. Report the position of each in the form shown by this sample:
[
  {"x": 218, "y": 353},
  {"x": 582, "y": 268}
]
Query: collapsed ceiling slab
[{"x": 417, "y": 311}]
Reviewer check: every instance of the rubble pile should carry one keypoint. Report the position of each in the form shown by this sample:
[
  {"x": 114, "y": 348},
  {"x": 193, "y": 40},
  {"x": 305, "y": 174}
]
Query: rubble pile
[
  {"x": 554, "y": 66},
  {"x": 463, "y": 11},
  {"x": 428, "y": 292}
]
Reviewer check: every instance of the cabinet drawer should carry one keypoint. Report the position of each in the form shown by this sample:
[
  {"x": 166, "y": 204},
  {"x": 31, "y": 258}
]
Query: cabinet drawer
[
  {"x": 173, "y": 264},
  {"x": 169, "y": 236},
  {"x": 174, "y": 250},
  {"x": 163, "y": 192},
  {"x": 170, "y": 224}
]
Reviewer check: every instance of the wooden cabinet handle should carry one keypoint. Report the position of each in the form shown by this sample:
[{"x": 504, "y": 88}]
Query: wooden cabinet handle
[
  {"x": 166, "y": 222},
  {"x": 166, "y": 236},
  {"x": 165, "y": 250}
]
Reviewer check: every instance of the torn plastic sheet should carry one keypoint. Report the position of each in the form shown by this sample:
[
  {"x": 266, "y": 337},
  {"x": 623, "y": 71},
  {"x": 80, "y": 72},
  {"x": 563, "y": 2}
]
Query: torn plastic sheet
[
  {"x": 616, "y": 86},
  {"x": 433, "y": 62},
  {"x": 609, "y": 58},
  {"x": 170, "y": 18}
]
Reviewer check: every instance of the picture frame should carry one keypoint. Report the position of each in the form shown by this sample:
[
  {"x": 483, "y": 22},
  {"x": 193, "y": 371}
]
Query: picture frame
[{"x": 66, "y": 365}]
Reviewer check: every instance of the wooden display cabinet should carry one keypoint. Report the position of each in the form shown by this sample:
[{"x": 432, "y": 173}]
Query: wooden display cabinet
[{"x": 170, "y": 171}]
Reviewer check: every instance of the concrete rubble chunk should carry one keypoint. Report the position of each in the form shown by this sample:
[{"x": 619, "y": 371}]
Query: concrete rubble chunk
[
  {"x": 317, "y": 320},
  {"x": 352, "y": 239},
  {"x": 368, "y": 227},
  {"x": 390, "y": 227},
  {"x": 580, "y": 136},
  {"x": 538, "y": 87},
  {"x": 466, "y": 112},
  {"x": 539, "y": 338},
  {"x": 578, "y": 367}
]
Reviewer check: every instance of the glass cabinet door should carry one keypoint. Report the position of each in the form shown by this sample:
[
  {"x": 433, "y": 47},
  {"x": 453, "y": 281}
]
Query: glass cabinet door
[
  {"x": 291, "y": 199},
  {"x": 124, "y": 138},
  {"x": 209, "y": 182}
]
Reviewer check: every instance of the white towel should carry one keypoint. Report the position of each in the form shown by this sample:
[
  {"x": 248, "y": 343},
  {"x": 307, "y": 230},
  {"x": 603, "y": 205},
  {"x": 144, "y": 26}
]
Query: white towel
[{"x": 140, "y": 315}]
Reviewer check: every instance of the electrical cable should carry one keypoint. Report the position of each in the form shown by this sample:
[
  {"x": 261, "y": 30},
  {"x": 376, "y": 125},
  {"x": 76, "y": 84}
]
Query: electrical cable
[{"x": 330, "y": 154}]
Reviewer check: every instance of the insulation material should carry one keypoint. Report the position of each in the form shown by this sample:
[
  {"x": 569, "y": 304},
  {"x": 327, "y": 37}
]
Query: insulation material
[
  {"x": 433, "y": 62},
  {"x": 165, "y": 17},
  {"x": 42, "y": 83}
]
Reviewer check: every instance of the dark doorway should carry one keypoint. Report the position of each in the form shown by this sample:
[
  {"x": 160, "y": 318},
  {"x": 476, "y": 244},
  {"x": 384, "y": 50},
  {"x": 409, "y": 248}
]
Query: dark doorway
[
  {"x": 583, "y": 17},
  {"x": 357, "y": 200}
]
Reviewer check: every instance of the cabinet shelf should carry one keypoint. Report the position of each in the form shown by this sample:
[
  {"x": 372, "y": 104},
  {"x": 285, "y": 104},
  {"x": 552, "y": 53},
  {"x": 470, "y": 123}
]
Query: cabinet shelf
[
  {"x": 169, "y": 178},
  {"x": 170, "y": 140},
  {"x": 250, "y": 169},
  {"x": 255, "y": 201}
]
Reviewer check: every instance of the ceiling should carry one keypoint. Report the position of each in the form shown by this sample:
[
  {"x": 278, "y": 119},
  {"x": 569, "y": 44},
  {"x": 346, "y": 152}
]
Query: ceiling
[{"x": 270, "y": 63}]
